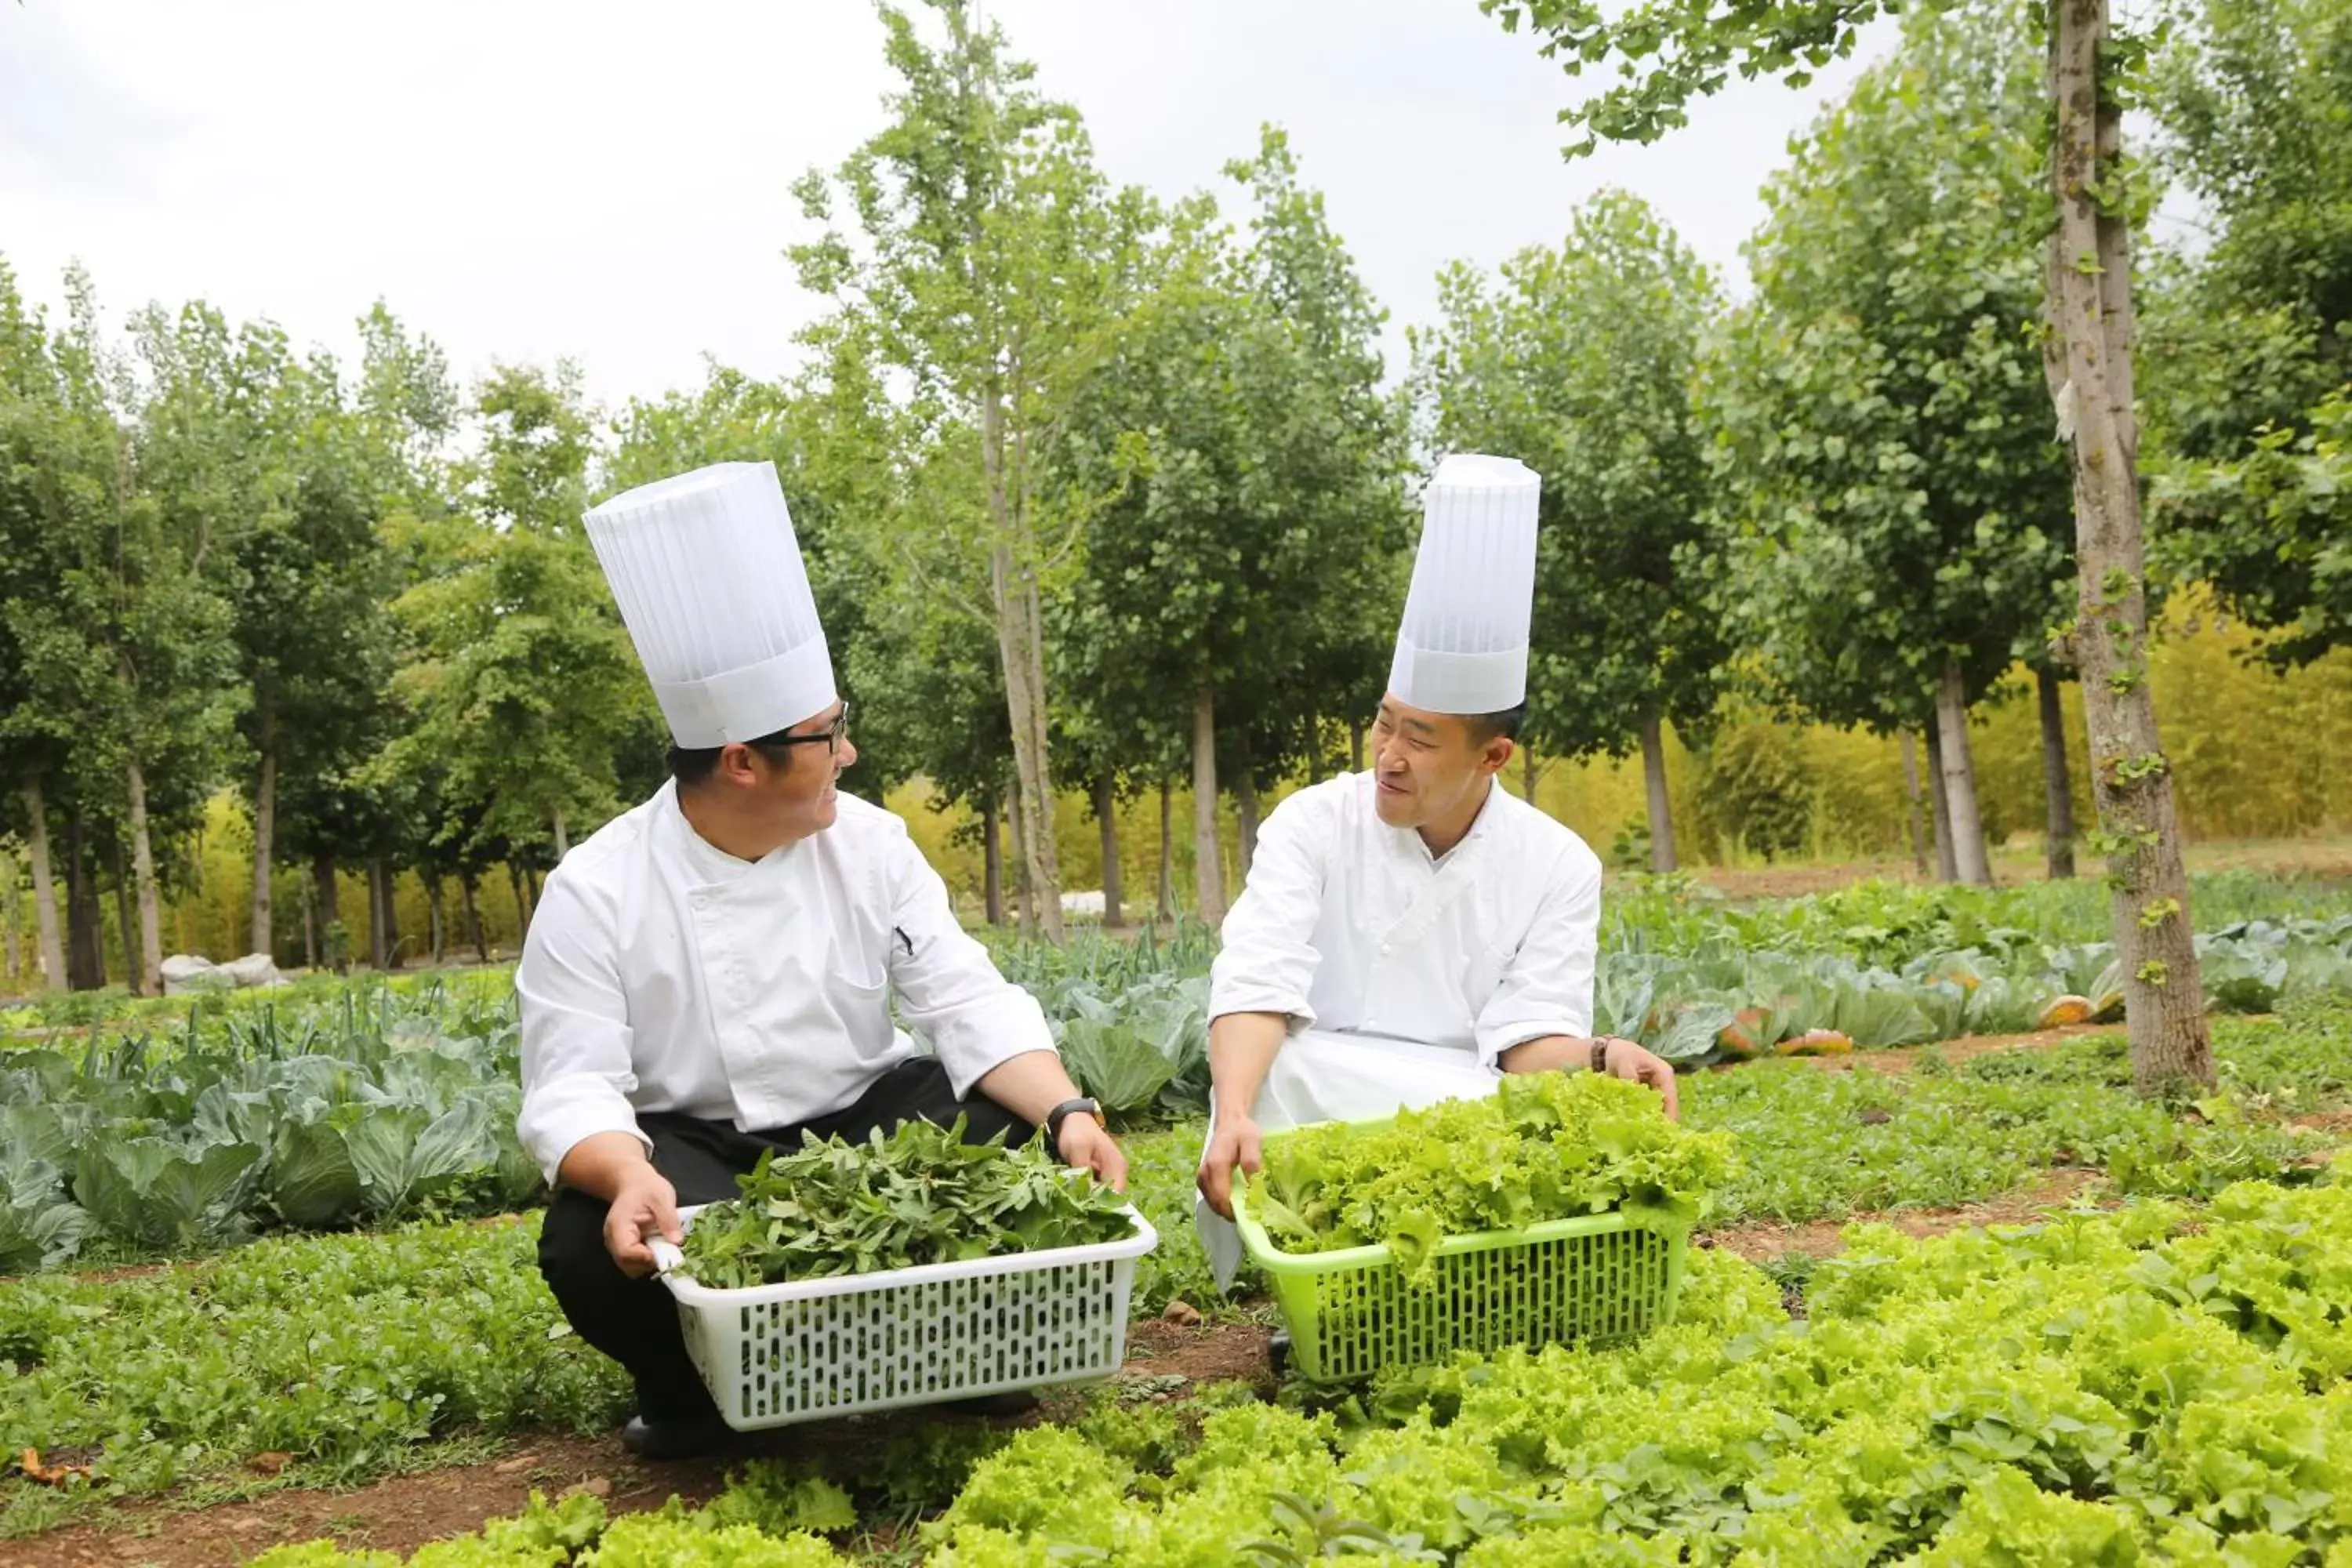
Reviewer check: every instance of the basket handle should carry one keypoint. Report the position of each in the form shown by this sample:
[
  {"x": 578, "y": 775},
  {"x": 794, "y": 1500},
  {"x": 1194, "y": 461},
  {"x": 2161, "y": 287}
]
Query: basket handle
[{"x": 667, "y": 1256}]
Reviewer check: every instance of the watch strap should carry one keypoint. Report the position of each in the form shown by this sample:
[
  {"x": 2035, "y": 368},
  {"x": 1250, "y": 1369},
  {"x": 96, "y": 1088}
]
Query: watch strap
[
  {"x": 1601, "y": 1054},
  {"x": 1063, "y": 1111}
]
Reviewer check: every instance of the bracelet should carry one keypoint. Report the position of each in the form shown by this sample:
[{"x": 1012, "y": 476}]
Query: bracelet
[{"x": 1600, "y": 1055}]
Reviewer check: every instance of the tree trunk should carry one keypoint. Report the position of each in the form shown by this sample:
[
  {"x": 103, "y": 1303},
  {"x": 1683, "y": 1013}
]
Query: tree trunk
[
  {"x": 85, "y": 934},
  {"x": 335, "y": 951},
  {"x": 1208, "y": 858},
  {"x": 12, "y": 916},
  {"x": 150, "y": 957},
  {"x": 2054, "y": 782},
  {"x": 563, "y": 839},
  {"x": 522, "y": 906},
  {"x": 265, "y": 832},
  {"x": 1024, "y": 904},
  {"x": 1948, "y": 865},
  {"x": 1020, "y": 653},
  {"x": 2089, "y": 362},
  {"x": 531, "y": 887},
  {"x": 1245, "y": 807},
  {"x": 1164, "y": 908},
  {"x": 1913, "y": 829},
  {"x": 309, "y": 924},
  {"x": 1106, "y": 818},
  {"x": 382, "y": 938},
  {"x": 1316, "y": 772},
  {"x": 1355, "y": 748},
  {"x": 1961, "y": 778},
  {"x": 1529, "y": 775},
  {"x": 125, "y": 929},
  {"x": 45, "y": 888},
  {"x": 433, "y": 923},
  {"x": 472, "y": 907},
  {"x": 992, "y": 862},
  {"x": 1653, "y": 775}
]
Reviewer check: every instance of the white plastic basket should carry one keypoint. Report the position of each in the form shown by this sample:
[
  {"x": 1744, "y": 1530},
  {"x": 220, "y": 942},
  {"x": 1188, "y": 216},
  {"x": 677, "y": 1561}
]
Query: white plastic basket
[{"x": 773, "y": 1354}]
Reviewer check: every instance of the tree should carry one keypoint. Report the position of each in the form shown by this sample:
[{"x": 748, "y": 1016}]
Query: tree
[
  {"x": 1893, "y": 499},
  {"x": 1237, "y": 583},
  {"x": 991, "y": 256},
  {"x": 140, "y": 584},
  {"x": 45, "y": 677},
  {"x": 520, "y": 678},
  {"x": 1669, "y": 53},
  {"x": 1579, "y": 361},
  {"x": 2250, "y": 345}
]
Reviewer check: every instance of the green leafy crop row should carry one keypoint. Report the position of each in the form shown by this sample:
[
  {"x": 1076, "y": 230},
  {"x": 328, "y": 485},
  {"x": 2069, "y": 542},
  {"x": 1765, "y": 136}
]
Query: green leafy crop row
[{"x": 2164, "y": 1385}]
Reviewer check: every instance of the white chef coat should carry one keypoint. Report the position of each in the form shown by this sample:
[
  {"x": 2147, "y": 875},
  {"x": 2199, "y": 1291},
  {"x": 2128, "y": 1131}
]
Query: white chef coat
[
  {"x": 1404, "y": 975},
  {"x": 661, "y": 974}
]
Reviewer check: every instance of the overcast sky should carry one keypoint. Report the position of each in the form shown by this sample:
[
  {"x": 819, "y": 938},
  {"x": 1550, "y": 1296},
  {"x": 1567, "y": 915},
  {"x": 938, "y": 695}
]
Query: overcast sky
[{"x": 526, "y": 180}]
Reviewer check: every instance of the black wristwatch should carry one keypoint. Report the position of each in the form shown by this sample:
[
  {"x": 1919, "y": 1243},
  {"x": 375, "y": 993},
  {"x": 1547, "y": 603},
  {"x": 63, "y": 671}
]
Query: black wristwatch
[{"x": 1062, "y": 1112}]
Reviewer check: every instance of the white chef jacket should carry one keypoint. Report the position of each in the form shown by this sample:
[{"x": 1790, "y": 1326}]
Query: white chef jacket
[
  {"x": 1350, "y": 925},
  {"x": 661, "y": 974},
  {"x": 1404, "y": 975}
]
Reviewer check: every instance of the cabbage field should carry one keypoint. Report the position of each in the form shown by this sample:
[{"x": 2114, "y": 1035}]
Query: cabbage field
[{"x": 2157, "y": 1368}]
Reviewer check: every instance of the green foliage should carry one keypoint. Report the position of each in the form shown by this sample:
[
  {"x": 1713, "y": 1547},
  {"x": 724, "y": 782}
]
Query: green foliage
[
  {"x": 1579, "y": 362},
  {"x": 918, "y": 1194},
  {"x": 346, "y": 1351},
  {"x": 244, "y": 1116},
  {"x": 1893, "y": 496},
  {"x": 575, "y": 1533},
  {"x": 2268, "y": 530},
  {"x": 1543, "y": 1146}
]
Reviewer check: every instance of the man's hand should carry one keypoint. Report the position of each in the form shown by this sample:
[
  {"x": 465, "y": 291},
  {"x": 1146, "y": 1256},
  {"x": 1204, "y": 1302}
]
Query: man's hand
[
  {"x": 1627, "y": 1060},
  {"x": 645, "y": 1205},
  {"x": 1085, "y": 1143},
  {"x": 1237, "y": 1142}
]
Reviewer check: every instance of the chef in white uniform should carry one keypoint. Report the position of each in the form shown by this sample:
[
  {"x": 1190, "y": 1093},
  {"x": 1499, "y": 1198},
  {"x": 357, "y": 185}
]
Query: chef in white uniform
[
  {"x": 1409, "y": 935},
  {"x": 711, "y": 974}
]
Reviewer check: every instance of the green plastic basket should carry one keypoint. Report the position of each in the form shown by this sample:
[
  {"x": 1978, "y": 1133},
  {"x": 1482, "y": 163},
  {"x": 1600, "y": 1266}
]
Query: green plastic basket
[{"x": 1601, "y": 1279}]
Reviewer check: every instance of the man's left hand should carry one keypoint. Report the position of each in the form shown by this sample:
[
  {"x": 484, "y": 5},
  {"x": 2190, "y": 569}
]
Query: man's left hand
[
  {"x": 1085, "y": 1144},
  {"x": 1627, "y": 1060}
]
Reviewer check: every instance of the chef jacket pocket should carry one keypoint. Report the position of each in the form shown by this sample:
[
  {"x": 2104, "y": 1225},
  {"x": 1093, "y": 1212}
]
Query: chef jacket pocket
[{"x": 864, "y": 1008}]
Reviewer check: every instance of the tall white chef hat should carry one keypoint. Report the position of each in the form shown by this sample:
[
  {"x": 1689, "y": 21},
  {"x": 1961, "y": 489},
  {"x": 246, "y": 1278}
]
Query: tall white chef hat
[
  {"x": 710, "y": 584},
  {"x": 1464, "y": 645}
]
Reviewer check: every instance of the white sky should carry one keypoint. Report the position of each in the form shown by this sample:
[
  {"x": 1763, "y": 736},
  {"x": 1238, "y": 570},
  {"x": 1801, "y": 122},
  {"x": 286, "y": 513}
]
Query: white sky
[{"x": 525, "y": 179}]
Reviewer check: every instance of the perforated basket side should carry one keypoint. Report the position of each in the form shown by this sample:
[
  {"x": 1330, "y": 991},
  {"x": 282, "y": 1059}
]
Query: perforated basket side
[
  {"x": 1599, "y": 1281},
  {"x": 779, "y": 1353}
]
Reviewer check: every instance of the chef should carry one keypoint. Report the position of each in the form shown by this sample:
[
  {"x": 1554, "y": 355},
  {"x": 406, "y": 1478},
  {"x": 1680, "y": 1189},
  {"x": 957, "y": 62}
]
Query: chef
[
  {"x": 1409, "y": 934},
  {"x": 710, "y": 975}
]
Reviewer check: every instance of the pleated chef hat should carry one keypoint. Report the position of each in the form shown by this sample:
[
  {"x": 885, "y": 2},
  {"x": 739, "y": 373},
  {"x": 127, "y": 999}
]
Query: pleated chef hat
[
  {"x": 710, "y": 584},
  {"x": 1464, "y": 645}
]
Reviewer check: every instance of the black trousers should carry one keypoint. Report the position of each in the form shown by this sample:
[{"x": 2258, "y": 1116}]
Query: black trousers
[{"x": 634, "y": 1321}]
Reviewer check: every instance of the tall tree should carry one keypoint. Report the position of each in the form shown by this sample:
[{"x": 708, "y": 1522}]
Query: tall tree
[
  {"x": 989, "y": 257},
  {"x": 1668, "y": 53},
  {"x": 1895, "y": 501},
  {"x": 40, "y": 681},
  {"x": 2250, "y": 345},
  {"x": 164, "y": 629},
  {"x": 519, "y": 676},
  {"x": 1579, "y": 361},
  {"x": 1239, "y": 583}
]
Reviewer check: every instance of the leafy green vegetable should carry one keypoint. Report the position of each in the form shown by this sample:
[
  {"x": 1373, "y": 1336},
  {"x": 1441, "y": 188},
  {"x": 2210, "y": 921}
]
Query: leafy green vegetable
[
  {"x": 918, "y": 1194},
  {"x": 1543, "y": 1146}
]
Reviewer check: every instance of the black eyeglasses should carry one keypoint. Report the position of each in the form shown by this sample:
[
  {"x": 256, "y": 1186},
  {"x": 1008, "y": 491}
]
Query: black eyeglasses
[{"x": 831, "y": 734}]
